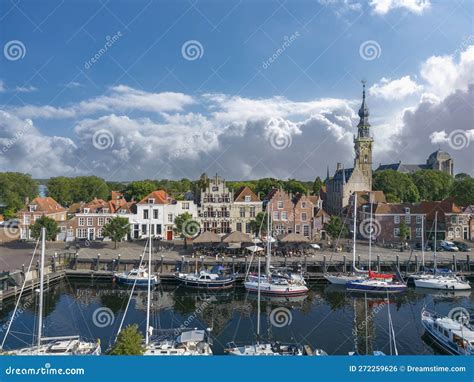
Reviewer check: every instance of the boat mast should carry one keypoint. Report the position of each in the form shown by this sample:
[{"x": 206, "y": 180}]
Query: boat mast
[
  {"x": 435, "y": 235},
  {"x": 269, "y": 244},
  {"x": 258, "y": 300},
  {"x": 423, "y": 241},
  {"x": 147, "y": 335},
  {"x": 40, "y": 308},
  {"x": 370, "y": 233},
  {"x": 354, "y": 236}
]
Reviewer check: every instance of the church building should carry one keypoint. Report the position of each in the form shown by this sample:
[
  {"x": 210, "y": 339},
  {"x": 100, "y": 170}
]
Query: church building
[{"x": 359, "y": 178}]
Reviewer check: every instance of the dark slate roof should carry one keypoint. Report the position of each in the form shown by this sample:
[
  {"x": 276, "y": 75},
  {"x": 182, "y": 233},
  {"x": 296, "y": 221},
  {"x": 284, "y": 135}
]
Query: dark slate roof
[
  {"x": 401, "y": 167},
  {"x": 338, "y": 174}
]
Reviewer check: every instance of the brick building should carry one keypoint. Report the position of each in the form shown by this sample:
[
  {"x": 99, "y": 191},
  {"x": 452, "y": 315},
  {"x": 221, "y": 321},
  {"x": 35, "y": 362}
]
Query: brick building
[
  {"x": 39, "y": 207},
  {"x": 245, "y": 208}
]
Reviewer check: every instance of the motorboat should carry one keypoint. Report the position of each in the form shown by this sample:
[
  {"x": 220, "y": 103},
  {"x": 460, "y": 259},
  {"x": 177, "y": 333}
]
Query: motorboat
[
  {"x": 455, "y": 337},
  {"x": 205, "y": 280},
  {"x": 189, "y": 342},
  {"x": 136, "y": 276},
  {"x": 270, "y": 349}
]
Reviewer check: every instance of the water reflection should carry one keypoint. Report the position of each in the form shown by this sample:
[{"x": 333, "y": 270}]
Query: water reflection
[{"x": 327, "y": 318}]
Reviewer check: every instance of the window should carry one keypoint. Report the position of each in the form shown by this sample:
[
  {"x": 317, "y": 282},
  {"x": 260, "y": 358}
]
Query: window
[
  {"x": 419, "y": 219},
  {"x": 418, "y": 232},
  {"x": 145, "y": 214},
  {"x": 406, "y": 210},
  {"x": 306, "y": 230},
  {"x": 186, "y": 206},
  {"x": 297, "y": 228},
  {"x": 303, "y": 204},
  {"x": 151, "y": 200},
  {"x": 396, "y": 232},
  {"x": 215, "y": 188},
  {"x": 107, "y": 220},
  {"x": 248, "y": 198},
  {"x": 27, "y": 220},
  {"x": 247, "y": 227},
  {"x": 408, "y": 219},
  {"x": 170, "y": 218},
  {"x": 280, "y": 204},
  {"x": 144, "y": 230},
  {"x": 90, "y": 222},
  {"x": 454, "y": 219},
  {"x": 252, "y": 212},
  {"x": 100, "y": 232},
  {"x": 284, "y": 215},
  {"x": 158, "y": 229},
  {"x": 155, "y": 213},
  {"x": 303, "y": 216},
  {"x": 81, "y": 222},
  {"x": 81, "y": 233},
  {"x": 86, "y": 210},
  {"x": 63, "y": 228},
  {"x": 242, "y": 212},
  {"x": 396, "y": 219},
  {"x": 239, "y": 227},
  {"x": 100, "y": 221},
  {"x": 276, "y": 215}
]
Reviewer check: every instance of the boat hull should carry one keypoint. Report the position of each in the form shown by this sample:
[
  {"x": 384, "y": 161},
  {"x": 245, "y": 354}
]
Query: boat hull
[
  {"x": 341, "y": 279},
  {"x": 371, "y": 287},
  {"x": 139, "y": 282},
  {"x": 276, "y": 290},
  {"x": 206, "y": 285},
  {"x": 441, "y": 283}
]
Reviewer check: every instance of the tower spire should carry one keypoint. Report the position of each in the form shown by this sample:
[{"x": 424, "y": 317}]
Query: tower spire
[
  {"x": 364, "y": 125},
  {"x": 327, "y": 174}
]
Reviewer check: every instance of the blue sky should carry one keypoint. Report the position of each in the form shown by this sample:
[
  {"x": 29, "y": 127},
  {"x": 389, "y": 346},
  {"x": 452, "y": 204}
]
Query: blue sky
[{"x": 227, "y": 101}]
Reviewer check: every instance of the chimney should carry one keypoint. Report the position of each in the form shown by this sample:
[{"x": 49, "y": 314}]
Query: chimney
[{"x": 339, "y": 166}]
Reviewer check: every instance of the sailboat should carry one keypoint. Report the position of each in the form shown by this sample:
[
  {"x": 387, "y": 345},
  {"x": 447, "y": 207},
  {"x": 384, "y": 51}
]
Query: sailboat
[
  {"x": 267, "y": 348},
  {"x": 63, "y": 345},
  {"x": 435, "y": 280},
  {"x": 279, "y": 283},
  {"x": 185, "y": 342},
  {"x": 374, "y": 282}
]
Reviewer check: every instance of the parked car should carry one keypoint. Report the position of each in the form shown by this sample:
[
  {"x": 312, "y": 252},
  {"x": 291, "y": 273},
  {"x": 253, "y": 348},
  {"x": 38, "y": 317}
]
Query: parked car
[
  {"x": 449, "y": 246},
  {"x": 463, "y": 247}
]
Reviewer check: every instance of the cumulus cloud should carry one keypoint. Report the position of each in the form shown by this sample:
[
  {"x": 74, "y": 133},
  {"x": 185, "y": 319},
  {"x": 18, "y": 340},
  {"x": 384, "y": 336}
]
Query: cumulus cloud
[
  {"x": 382, "y": 7},
  {"x": 395, "y": 89}
]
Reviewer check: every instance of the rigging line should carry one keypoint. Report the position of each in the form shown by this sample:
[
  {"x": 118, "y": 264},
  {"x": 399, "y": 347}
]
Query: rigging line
[
  {"x": 131, "y": 294},
  {"x": 338, "y": 238},
  {"x": 19, "y": 297}
]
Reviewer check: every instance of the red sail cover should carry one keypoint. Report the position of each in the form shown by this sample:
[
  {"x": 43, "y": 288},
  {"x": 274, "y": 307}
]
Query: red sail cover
[{"x": 383, "y": 276}]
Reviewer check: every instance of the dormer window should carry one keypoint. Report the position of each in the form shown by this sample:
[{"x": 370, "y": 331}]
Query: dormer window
[
  {"x": 406, "y": 210},
  {"x": 248, "y": 198},
  {"x": 33, "y": 207},
  {"x": 151, "y": 200},
  {"x": 105, "y": 210},
  {"x": 86, "y": 210}
]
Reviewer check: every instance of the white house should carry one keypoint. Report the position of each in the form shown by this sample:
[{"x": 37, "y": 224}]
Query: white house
[
  {"x": 151, "y": 209},
  {"x": 174, "y": 209}
]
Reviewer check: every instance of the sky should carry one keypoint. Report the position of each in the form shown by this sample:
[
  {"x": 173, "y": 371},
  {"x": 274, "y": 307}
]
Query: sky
[{"x": 130, "y": 90}]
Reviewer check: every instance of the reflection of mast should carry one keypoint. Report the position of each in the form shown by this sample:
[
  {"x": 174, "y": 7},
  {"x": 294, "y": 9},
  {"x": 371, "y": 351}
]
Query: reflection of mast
[{"x": 364, "y": 326}]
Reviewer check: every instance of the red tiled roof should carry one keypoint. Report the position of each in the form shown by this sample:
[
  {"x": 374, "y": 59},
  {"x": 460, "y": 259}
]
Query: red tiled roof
[
  {"x": 46, "y": 205},
  {"x": 244, "y": 191},
  {"x": 160, "y": 196}
]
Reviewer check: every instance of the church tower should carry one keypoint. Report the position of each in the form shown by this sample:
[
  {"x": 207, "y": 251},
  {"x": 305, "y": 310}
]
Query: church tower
[{"x": 363, "y": 142}]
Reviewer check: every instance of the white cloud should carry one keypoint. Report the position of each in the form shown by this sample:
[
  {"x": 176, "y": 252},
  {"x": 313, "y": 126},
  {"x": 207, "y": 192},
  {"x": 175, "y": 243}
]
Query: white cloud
[
  {"x": 25, "y": 89},
  {"x": 382, "y": 7},
  {"x": 396, "y": 89},
  {"x": 2, "y": 87}
]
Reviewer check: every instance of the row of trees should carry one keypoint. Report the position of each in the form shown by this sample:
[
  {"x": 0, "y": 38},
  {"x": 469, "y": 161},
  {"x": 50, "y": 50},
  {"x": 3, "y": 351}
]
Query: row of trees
[{"x": 424, "y": 185}]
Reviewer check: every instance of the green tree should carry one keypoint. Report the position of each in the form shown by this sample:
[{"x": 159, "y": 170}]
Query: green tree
[
  {"x": 432, "y": 184},
  {"x": 129, "y": 342},
  {"x": 404, "y": 233},
  {"x": 317, "y": 185},
  {"x": 61, "y": 190},
  {"x": 116, "y": 229},
  {"x": 15, "y": 188},
  {"x": 139, "y": 189},
  {"x": 463, "y": 191},
  {"x": 335, "y": 227},
  {"x": 86, "y": 188},
  {"x": 294, "y": 187},
  {"x": 186, "y": 227},
  {"x": 51, "y": 226},
  {"x": 397, "y": 186},
  {"x": 265, "y": 185},
  {"x": 259, "y": 223}
]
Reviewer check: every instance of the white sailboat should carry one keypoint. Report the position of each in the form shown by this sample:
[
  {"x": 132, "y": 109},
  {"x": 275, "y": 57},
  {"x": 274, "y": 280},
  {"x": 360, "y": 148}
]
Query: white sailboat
[
  {"x": 356, "y": 274},
  {"x": 266, "y": 348},
  {"x": 276, "y": 284},
  {"x": 436, "y": 280},
  {"x": 64, "y": 345}
]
